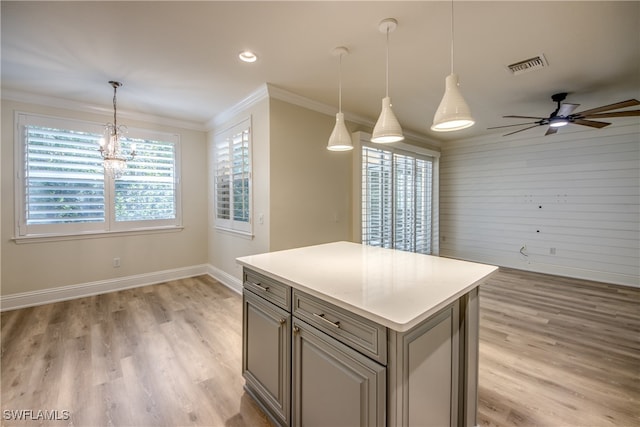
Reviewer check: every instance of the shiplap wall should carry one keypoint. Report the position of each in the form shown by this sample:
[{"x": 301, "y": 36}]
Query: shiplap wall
[{"x": 570, "y": 202}]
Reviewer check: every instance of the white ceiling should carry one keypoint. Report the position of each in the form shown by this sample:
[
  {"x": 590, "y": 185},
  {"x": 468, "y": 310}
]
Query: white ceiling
[{"x": 179, "y": 59}]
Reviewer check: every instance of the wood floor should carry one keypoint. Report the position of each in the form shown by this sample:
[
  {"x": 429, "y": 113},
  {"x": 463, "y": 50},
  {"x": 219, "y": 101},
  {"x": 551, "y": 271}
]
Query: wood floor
[
  {"x": 553, "y": 352},
  {"x": 558, "y": 352}
]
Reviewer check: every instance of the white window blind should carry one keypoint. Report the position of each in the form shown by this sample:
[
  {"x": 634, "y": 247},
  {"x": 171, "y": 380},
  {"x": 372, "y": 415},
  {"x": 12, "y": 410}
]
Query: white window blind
[
  {"x": 147, "y": 191},
  {"x": 61, "y": 187},
  {"x": 397, "y": 191},
  {"x": 233, "y": 178},
  {"x": 64, "y": 177}
]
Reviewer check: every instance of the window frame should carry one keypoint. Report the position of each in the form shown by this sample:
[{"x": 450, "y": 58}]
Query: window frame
[
  {"x": 220, "y": 139},
  {"x": 68, "y": 231}
]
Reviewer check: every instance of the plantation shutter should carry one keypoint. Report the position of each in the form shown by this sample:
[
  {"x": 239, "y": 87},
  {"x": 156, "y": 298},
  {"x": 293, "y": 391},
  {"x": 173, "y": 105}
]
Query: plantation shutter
[
  {"x": 424, "y": 206},
  {"x": 233, "y": 178},
  {"x": 223, "y": 182},
  {"x": 376, "y": 197},
  {"x": 147, "y": 191},
  {"x": 240, "y": 158},
  {"x": 396, "y": 200},
  {"x": 64, "y": 177}
]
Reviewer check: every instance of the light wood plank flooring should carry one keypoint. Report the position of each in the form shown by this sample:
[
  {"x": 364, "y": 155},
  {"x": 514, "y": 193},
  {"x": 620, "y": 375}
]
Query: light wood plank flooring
[
  {"x": 553, "y": 352},
  {"x": 558, "y": 352},
  {"x": 163, "y": 355}
]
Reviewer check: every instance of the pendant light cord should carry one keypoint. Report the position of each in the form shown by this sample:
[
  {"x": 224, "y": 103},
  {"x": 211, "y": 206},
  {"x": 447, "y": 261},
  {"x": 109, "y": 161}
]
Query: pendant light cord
[
  {"x": 340, "y": 83},
  {"x": 451, "y": 36},
  {"x": 387, "y": 81},
  {"x": 115, "y": 123}
]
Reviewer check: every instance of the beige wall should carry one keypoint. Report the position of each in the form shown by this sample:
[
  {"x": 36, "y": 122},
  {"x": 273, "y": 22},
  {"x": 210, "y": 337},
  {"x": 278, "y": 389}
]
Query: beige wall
[
  {"x": 310, "y": 186},
  {"x": 301, "y": 190},
  {"x": 225, "y": 247},
  {"x": 38, "y": 266}
]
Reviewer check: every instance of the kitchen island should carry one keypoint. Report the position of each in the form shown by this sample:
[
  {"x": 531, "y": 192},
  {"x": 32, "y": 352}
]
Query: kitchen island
[{"x": 344, "y": 334}]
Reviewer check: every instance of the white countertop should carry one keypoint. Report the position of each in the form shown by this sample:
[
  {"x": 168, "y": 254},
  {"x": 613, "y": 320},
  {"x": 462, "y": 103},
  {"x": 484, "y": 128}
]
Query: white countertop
[{"x": 394, "y": 288}]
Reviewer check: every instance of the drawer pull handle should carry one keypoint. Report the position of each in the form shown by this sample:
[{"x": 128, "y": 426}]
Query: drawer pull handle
[
  {"x": 260, "y": 286},
  {"x": 321, "y": 316}
]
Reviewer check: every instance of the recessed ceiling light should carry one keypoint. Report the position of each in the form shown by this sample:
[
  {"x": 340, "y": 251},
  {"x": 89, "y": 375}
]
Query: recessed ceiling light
[{"x": 247, "y": 56}]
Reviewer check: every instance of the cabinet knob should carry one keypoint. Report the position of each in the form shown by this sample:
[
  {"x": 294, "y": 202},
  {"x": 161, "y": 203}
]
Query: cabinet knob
[
  {"x": 296, "y": 330},
  {"x": 283, "y": 321}
]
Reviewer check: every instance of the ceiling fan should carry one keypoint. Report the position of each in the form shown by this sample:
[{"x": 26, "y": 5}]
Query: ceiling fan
[{"x": 564, "y": 114}]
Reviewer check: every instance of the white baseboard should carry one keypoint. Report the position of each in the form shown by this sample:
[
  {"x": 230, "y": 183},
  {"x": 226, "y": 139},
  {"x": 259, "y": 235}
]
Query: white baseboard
[
  {"x": 225, "y": 278},
  {"x": 63, "y": 293}
]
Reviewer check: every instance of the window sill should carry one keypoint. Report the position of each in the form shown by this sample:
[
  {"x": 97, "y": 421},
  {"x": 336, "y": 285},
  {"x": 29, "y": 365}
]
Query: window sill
[
  {"x": 243, "y": 234},
  {"x": 42, "y": 238}
]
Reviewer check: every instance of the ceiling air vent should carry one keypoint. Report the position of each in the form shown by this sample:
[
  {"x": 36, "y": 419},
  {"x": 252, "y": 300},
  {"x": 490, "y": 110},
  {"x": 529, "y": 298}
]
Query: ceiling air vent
[{"x": 527, "y": 65}]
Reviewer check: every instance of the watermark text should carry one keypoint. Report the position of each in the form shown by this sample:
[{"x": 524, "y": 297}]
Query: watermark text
[{"x": 36, "y": 415}]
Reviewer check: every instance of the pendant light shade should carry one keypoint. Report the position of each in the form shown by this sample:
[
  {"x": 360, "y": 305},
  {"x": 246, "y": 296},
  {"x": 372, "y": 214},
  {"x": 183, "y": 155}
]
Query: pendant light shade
[
  {"x": 453, "y": 112},
  {"x": 387, "y": 128},
  {"x": 340, "y": 139}
]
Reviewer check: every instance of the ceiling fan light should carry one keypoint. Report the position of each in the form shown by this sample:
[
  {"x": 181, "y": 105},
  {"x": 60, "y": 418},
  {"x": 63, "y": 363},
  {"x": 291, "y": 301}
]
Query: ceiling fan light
[
  {"x": 387, "y": 128},
  {"x": 558, "y": 122},
  {"x": 453, "y": 113},
  {"x": 340, "y": 139}
]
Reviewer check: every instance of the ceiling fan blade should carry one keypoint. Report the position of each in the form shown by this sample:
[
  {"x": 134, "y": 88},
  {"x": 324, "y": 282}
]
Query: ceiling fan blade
[
  {"x": 629, "y": 113},
  {"x": 590, "y": 123},
  {"x": 623, "y": 104},
  {"x": 508, "y": 126},
  {"x": 524, "y": 117},
  {"x": 566, "y": 109},
  {"x": 530, "y": 127},
  {"x": 551, "y": 131}
]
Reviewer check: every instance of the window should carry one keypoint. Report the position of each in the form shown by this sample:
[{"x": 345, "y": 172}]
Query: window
[
  {"x": 62, "y": 188},
  {"x": 232, "y": 192},
  {"x": 397, "y": 194}
]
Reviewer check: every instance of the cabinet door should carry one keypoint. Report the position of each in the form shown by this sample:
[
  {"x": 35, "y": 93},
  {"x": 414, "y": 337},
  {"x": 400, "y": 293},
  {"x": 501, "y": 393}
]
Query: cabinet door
[
  {"x": 266, "y": 355},
  {"x": 333, "y": 385}
]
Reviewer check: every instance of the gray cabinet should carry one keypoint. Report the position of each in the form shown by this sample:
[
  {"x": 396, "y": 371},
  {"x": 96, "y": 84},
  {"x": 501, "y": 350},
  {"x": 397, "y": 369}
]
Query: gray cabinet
[
  {"x": 333, "y": 385},
  {"x": 266, "y": 355},
  {"x": 310, "y": 363},
  {"x": 424, "y": 376}
]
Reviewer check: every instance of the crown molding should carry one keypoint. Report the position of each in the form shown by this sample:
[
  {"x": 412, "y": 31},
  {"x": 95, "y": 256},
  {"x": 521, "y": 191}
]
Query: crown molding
[
  {"x": 268, "y": 90},
  {"x": 253, "y": 98},
  {"x": 48, "y": 101}
]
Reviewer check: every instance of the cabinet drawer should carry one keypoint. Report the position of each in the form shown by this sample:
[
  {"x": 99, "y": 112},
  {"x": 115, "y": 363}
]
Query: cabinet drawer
[
  {"x": 363, "y": 335},
  {"x": 271, "y": 290}
]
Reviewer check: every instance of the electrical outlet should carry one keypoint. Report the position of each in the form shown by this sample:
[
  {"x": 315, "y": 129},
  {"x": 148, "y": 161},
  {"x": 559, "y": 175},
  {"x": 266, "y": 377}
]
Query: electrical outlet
[{"x": 116, "y": 262}]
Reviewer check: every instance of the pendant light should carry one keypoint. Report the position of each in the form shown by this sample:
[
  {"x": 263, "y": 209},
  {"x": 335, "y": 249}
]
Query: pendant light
[
  {"x": 340, "y": 139},
  {"x": 453, "y": 113},
  {"x": 387, "y": 128}
]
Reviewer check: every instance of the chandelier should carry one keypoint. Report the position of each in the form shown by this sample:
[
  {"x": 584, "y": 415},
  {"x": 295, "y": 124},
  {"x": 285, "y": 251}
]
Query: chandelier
[{"x": 115, "y": 162}]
